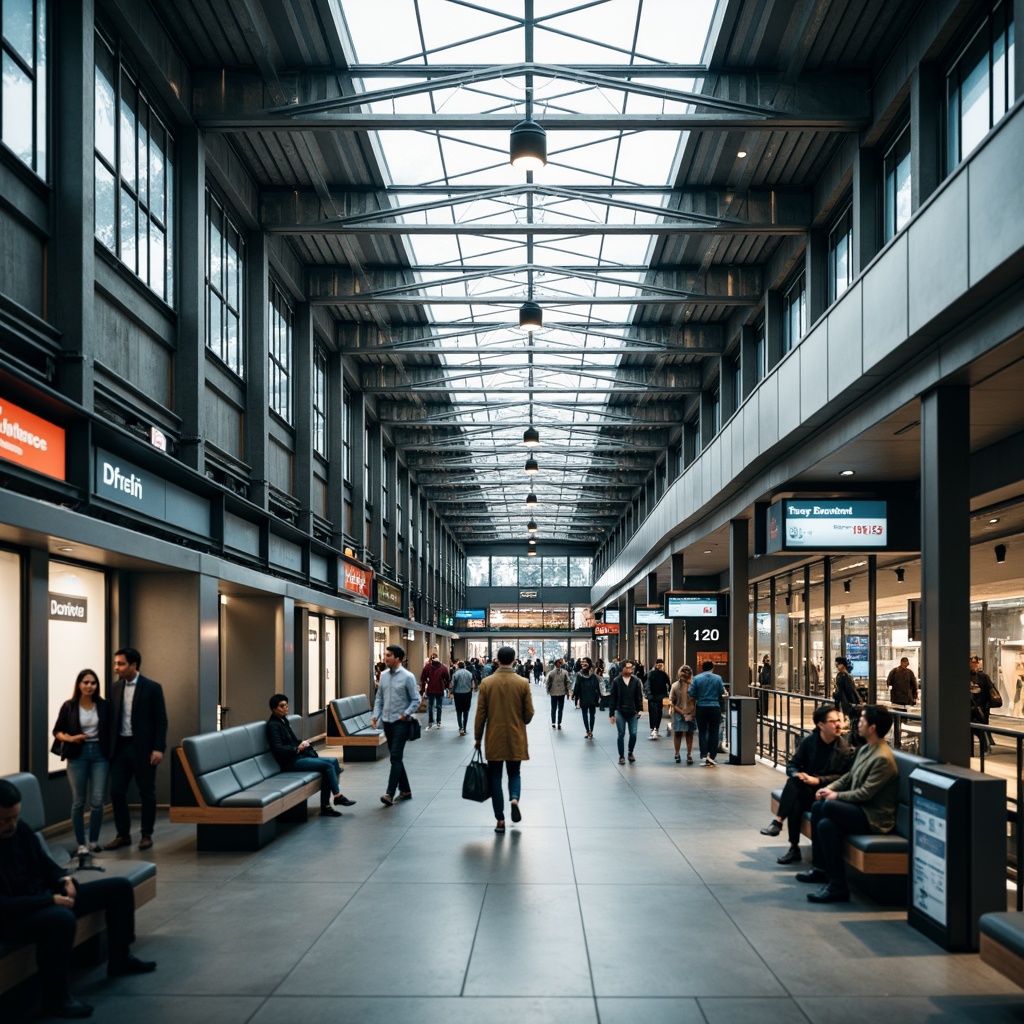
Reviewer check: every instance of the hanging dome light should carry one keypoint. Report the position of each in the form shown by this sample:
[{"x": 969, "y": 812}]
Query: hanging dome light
[
  {"x": 531, "y": 527},
  {"x": 531, "y": 438},
  {"x": 531, "y": 500},
  {"x": 531, "y": 466},
  {"x": 528, "y": 146},
  {"x": 532, "y": 552},
  {"x": 531, "y": 316}
]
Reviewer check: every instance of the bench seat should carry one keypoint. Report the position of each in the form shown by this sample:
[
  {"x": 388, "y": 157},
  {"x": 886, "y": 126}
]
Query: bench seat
[
  {"x": 18, "y": 960},
  {"x": 1002, "y": 943},
  {"x": 348, "y": 727}
]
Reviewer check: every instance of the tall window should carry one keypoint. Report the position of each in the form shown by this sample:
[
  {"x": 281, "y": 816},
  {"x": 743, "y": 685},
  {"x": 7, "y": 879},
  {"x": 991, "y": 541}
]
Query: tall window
[
  {"x": 840, "y": 255},
  {"x": 367, "y": 477},
  {"x": 794, "y": 313},
  {"x": 134, "y": 173},
  {"x": 760, "y": 354},
  {"x": 23, "y": 81},
  {"x": 320, "y": 402},
  {"x": 349, "y": 433},
  {"x": 896, "y": 183},
  {"x": 716, "y": 411},
  {"x": 225, "y": 266},
  {"x": 280, "y": 323},
  {"x": 980, "y": 85}
]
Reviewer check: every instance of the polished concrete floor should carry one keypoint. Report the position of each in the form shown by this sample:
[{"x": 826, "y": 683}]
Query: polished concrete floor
[{"x": 639, "y": 894}]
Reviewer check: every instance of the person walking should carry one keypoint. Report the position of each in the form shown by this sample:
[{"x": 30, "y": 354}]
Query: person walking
[
  {"x": 707, "y": 689},
  {"x": 586, "y": 692},
  {"x": 902, "y": 684},
  {"x": 557, "y": 684},
  {"x": 504, "y": 709},
  {"x": 398, "y": 699},
  {"x": 983, "y": 697},
  {"x": 138, "y": 736},
  {"x": 845, "y": 695},
  {"x": 658, "y": 685},
  {"x": 625, "y": 703},
  {"x": 684, "y": 711},
  {"x": 83, "y": 725},
  {"x": 462, "y": 695},
  {"x": 436, "y": 683}
]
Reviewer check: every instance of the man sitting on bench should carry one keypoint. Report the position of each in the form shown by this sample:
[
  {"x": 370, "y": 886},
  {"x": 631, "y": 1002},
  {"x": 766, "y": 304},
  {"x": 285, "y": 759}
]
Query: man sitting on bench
[
  {"x": 822, "y": 757},
  {"x": 862, "y": 801},
  {"x": 293, "y": 755},
  {"x": 41, "y": 903}
]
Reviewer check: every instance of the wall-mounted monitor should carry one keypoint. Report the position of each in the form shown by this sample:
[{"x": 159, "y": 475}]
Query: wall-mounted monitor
[
  {"x": 692, "y": 606},
  {"x": 827, "y": 524},
  {"x": 470, "y": 613},
  {"x": 651, "y": 617},
  {"x": 611, "y": 616}
]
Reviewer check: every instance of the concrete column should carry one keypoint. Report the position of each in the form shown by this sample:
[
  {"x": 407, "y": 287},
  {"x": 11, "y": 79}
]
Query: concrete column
[
  {"x": 772, "y": 328},
  {"x": 677, "y": 631},
  {"x": 748, "y": 359},
  {"x": 356, "y": 636},
  {"x": 630, "y": 618},
  {"x": 945, "y": 573},
  {"x": 816, "y": 275},
  {"x": 926, "y": 159},
  {"x": 739, "y": 628},
  {"x": 866, "y": 215}
]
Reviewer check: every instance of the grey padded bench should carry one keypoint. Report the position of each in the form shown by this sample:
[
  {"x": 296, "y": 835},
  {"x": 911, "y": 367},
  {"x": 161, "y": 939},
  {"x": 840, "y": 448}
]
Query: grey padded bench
[
  {"x": 882, "y": 859},
  {"x": 230, "y": 787},
  {"x": 1002, "y": 943},
  {"x": 348, "y": 726},
  {"x": 18, "y": 960}
]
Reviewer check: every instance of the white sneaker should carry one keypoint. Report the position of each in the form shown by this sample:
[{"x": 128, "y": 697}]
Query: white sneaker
[
  {"x": 654, "y": 735},
  {"x": 82, "y": 851},
  {"x": 711, "y": 762}
]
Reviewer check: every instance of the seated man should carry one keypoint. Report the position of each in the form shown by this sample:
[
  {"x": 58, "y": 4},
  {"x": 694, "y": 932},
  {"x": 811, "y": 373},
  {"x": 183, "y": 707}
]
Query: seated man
[
  {"x": 293, "y": 755},
  {"x": 822, "y": 757},
  {"x": 40, "y": 903},
  {"x": 861, "y": 801}
]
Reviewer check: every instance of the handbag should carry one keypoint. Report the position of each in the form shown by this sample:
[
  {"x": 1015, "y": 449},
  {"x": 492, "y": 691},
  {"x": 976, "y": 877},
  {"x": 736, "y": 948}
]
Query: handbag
[
  {"x": 995, "y": 698},
  {"x": 415, "y": 729},
  {"x": 57, "y": 747},
  {"x": 476, "y": 784}
]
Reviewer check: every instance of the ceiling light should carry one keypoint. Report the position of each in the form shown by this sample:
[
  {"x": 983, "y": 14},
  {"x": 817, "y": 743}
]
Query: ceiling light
[
  {"x": 532, "y": 552},
  {"x": 531, "y": 527},
  {"x": 531, "y": 316},
  {"x": 531, "y": 466},
  {"x": 531, "y": 500},
  {"x": 1000, "y": 553},
  {"x": 846, "y": 472},
  {"x": 995, "y": 519},
  {"x": 899, "y": 574},
  {"x": 531, "y": 543},
  {"x": 742, "y": 153},
  {"x": 528, "y": 146},
  {"x": 846, "y": 586},
  {"x": 67, "y": 551},
  {"x": 707, "y": 551},
  {"x": 530, "y": 437}
]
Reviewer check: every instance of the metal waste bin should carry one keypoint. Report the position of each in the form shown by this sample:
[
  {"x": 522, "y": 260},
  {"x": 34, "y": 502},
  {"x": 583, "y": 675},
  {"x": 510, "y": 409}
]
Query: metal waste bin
[{"x": 742, "y": 729}]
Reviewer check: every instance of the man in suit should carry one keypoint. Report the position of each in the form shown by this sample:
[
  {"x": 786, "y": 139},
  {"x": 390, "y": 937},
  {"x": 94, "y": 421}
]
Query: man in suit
[{"x": 138, "y": 728}]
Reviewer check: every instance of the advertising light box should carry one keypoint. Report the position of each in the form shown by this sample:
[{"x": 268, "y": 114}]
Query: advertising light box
[
  {"x": 691, "y": 606},
  {"x": 828, "y": 524},
  {"x": 651, "y": 617}
]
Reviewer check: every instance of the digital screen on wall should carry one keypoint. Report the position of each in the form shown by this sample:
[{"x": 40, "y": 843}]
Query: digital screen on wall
[
  {"x": 857, "y": 654},
  {"x": 691, "y": 606},
  {"x": 611, "y": 616},
  {"x": 651, "y": 617},
  {"x": 827, "y": 524}
]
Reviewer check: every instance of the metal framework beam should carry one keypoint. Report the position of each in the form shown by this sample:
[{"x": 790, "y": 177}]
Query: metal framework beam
[
  {"x": 437, "y": 414},
  {"x": 387, "y": 379}
]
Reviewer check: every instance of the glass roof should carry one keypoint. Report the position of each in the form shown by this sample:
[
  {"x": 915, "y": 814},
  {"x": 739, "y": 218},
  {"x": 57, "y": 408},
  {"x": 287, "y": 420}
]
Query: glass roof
[{"x": 472, "y": 276}]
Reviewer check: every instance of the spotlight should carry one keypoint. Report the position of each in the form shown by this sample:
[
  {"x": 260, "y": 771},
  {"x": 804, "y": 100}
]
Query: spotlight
[
  {"x": 528, "y": 146},
  {"x": 1000, "y": 553},
  {"x": 531, "y": 527},
  {"x": 531, "y": 438},
  {"x": 532, "y": 552},
  {"x": 531, "y": 316},
  {"x": 531, "y": 466},
  {"x": 899, "y": 574},
  {"x": 846, "y": 586},
  {"x": 846, "y": 472},
  {"x": 531, "y": 543}
]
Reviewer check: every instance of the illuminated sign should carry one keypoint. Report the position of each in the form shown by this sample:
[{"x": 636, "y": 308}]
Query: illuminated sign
[
  {"x": 827, "y": 524},
  {"x": 691, "y": 606},
  {"x": 31, "y": 441},
  {"x": 389, "y": 595},
  {"x": 611, "y": 616},
  {"x": 67, "y": 608},
  {"x": 606, "y": 629},
  {"x": 355, "y": 579},
  {"x": 471, "y": 613},
  {"x": 651, "y": 617}
]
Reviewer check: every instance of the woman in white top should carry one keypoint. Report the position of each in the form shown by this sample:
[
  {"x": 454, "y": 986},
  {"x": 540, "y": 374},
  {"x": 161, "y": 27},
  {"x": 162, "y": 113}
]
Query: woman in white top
[{"x": 83, "y": 725}]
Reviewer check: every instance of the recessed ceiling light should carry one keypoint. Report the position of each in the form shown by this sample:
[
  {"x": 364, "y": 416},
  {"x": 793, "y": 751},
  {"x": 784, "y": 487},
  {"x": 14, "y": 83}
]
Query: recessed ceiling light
[
  {"x": 846, "y": 472},
  {"x": 66, "y": 551},
  {"x": 742, "y": 153},
  {"x": 994, "y": 520},
  {"x": 707, "y": 551}
]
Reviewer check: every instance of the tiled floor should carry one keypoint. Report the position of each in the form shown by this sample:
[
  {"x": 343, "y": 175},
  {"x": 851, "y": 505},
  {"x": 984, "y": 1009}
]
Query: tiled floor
[{"x": 641, "y": 894}]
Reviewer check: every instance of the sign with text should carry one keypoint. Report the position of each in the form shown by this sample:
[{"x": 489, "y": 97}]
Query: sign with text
[
  {"x": 827, "y": 524},
  {"x": 651, "y": 617},
  {"x": 691, "y": 606},
  {"x": 68, "y": 608},
  {"x": 356, "y": 579},
  {"x": 611, "y": 616},
  {"x": 471, "y": 613},
  {"x": 389, "y": 595},
  {"x": 30, "y": 441},
  {"x": 606, "y": 629}
]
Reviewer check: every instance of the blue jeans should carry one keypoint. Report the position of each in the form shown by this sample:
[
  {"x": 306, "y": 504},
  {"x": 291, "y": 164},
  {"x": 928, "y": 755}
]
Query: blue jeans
[
  {"x": 329, "y": 770},
  {"x": 514, "y": 785},
  {"x": 434, "y": 700},
  {"x": 621, "y": 721},
  {"x": 88, "y": 774},
  {"x": 709, "y": 725}
]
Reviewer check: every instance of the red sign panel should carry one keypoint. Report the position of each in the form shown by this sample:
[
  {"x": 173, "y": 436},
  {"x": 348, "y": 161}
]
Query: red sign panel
[
  {"x": 356, "y": 579},
  {"x": 606, "y": 629},
  {"x": 30, "y": 441}
]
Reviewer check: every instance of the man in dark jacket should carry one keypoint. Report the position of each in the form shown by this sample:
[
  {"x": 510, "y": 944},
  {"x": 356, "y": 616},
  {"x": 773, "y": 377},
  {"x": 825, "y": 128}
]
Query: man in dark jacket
[
  {"x": 658, "y": 685},
  {"x": 138, "y": 735},
  {"x": 294, "y": 755},
  {"x": 41, "y": 903},
  {"x": 902, "y": 684},
  {"x": 435, "y": 683},
  {"x": 822, "y": 757},
  {"x": 626, "y": 703}
]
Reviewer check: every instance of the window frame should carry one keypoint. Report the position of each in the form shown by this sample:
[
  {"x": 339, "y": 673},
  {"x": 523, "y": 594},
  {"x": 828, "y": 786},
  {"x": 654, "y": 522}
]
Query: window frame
[
  {"x": 840, "y": 240},
  {"x": 280, "y": 352},
  {"x": 219, "y": 293},
  {"x": 798, "y": 288},
  {"x": 37, "y": 74},
  {"x": 321, "y": 382},
  {"x": 895, "y": 155}
]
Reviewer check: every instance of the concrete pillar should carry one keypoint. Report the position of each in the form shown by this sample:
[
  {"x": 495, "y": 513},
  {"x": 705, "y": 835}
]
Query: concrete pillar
[
  {"x": 926, "y": 128},
  {"x": 866, "y": 215},
  {"x": 677, "y": 631},
  {"x": 739, "y": 627}
]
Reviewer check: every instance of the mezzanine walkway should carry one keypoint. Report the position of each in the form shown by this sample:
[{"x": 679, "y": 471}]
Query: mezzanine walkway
[{"x": 629, "y": 895}]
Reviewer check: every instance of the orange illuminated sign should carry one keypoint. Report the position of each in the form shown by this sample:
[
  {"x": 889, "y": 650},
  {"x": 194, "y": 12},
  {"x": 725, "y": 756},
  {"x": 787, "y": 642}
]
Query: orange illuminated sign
[{"x": 30, "y": 441}]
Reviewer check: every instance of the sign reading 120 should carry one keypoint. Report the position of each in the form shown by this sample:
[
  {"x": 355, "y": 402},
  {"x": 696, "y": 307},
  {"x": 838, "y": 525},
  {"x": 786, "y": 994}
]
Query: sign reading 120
[
  {"x": 708, "y": 631},
  {"x": 704, "y": 633}
]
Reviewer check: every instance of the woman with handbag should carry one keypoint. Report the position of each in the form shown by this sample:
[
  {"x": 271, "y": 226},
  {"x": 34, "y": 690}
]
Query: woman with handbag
[
  {"x": 83, "y": 727},
  {"x": 845, "y": 695},
  {"x": 684, "y": 712}
]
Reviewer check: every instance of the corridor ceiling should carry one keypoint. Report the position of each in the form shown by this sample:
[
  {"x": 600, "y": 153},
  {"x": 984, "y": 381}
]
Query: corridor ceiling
[{"x": 683, "y": 141}]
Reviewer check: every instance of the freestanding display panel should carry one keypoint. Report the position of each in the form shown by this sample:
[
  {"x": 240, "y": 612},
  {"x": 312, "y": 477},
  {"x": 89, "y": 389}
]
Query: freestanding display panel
[
  {"x": 957, "y": 853},
  {"x": 742, "y": 729}
]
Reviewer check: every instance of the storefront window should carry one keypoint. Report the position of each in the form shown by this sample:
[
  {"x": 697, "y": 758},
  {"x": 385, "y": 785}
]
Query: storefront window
[
  {"x": 10, "y": 644},
  {"x": 313, "y": 699},
  {"x": 331, "y": 677}
]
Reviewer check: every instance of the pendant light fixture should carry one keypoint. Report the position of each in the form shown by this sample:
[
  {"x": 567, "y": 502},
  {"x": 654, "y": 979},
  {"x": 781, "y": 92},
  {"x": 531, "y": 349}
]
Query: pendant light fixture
[
  {"x": 531, "y": 438},
  {"x": 531, "y": 526},
  {"x": 531, "y": 466},
  {"x": 528, "y": 146},
  {"x": 531, "y": 500},
  {"x": 531, "y": 316}
]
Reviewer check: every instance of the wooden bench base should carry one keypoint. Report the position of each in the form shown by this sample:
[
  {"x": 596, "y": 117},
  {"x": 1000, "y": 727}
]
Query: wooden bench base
[
  {"x": 360, "y": 748},
  {"x": 1004, "y": 960}
]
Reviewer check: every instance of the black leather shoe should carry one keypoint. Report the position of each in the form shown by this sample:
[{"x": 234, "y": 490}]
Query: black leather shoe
[
  {"x": 130, "y": 965},
  {"x": 791, "y": 856},
  {"x": 830, "y": 893},
  {"x": 773, "y": 829},
  {"x": 70, "y": 1009},
  {"x": 812, "y": 875},
  {"x": 327, "y": 811},
  {"x": 343, "y": 801},
  {"x": 117, "y": 842}
]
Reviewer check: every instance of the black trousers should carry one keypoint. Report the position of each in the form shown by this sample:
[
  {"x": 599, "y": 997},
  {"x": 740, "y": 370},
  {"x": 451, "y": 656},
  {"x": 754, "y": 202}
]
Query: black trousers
[
  {"x": 462, "y": 702},
  {"x": 129, "y": 763},
  {"x": 397, "y": 733},
  {"x": 797, "y": 797},
  {"x": 589, "y": 714},
  {"x": 557, "y": 706},
  {"x": 655, "y": 707},
  {"x": 53, "y": 930},
  {"x": 831, "y": 822}
]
